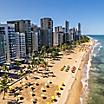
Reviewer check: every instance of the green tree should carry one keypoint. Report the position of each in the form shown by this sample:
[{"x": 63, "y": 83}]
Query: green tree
[
  {"x": 18, "y": 63},
  {"x": 5, "y": 68},
  {"x": 4, "y": 84}
]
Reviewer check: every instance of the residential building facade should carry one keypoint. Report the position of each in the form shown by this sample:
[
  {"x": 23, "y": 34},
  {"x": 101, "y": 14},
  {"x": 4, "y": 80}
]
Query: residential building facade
[
  {"x": 58, "y": 35},
  {"x": 24, "y": 26},
  {"x": 2, "y": 46},
  {"x": 21, "y": 46},
  {"x": 10, "y": 41},
  {"x": 46, "y": 32},
  {"x": 35, "y": 35}
]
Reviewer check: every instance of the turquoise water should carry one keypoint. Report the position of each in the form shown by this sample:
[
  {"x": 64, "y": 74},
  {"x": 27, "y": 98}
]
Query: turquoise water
[{"x": 96, "y": 73}]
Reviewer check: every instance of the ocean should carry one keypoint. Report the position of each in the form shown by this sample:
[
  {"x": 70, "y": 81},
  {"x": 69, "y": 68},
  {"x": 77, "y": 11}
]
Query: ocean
[{"x": 94, "y": 75}]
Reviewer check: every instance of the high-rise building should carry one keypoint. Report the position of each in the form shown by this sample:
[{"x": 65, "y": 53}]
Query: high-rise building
[
  {"x": 67, "y": 26},
  {"x": 21, "y": 46},
  {"x": 46, "y": 31},
  {"x": 71, "y": 35},
  {"x": 66, "y": 34},
  {"x": 35, "y": 35},
  {"x": 58, "y": 35},
  {"x": 79, "y": 30},
  {"x": 2, "y": 46},
  {"x": 74, "y": 34},
  {"x": 79, "y": 27},
  {"x": 24, "y": 26},
  {"x": 10, "y": 41}
]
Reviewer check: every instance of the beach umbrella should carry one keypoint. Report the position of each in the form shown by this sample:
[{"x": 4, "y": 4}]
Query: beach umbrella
[
  {"x": 49, "y": 82},
  {"x": 31, "y": 93},
  {"x": 34, "y": 102},
  {"x": 43, "y": 96},
  {"x": 63, "y": 84},
  {"x": 32, "y": 88},
  {"x": 53, "y": 75},
  {"x": 26, "y": 78},
  {"x": 47, "y": 85},
  {"x": 17, "y": 91},
  {"x": 37, "y": 84},
  {"x": 19, "y": 96},
  {"x": 10, "y": 87},
  {"x": 23, "y": 84},
  {"x": 52, "y": 97},
  {"x": 55, "y": 100},
  {"x": 60, "y": 88},
  {"x": 48, "y": 103},
  {"x": 58, "y": 93},
  {"x": 26, "y": 86},
  {"x": 43, "y": 89},
  {"x": 32, "y": 99}
]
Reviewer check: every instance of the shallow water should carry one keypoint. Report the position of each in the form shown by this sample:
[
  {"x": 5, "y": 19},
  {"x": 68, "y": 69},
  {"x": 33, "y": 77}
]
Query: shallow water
[{"x": 96, "y": 73}]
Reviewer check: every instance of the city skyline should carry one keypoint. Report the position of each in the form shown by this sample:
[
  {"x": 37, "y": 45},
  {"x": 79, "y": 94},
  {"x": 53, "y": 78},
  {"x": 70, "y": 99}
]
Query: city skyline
[{"x": 87, "y": 12}]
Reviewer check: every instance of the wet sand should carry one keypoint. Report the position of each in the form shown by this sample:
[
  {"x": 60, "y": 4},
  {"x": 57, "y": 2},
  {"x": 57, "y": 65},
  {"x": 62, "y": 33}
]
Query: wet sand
[{"x": 77, "y": 87}]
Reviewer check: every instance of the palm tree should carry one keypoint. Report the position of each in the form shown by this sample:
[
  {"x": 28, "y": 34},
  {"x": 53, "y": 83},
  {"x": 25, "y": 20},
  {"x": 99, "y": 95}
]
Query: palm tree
[
  {"x": 55, "y": 53},
  {"x": 5, "y": 68},
  {"x": 33, "y": 62},
  {"x": 43, "y": 52},
  {"x": 18, "y": 63},
  {"x": 84, "y": 39},
  {"x": 4, "y": 84}
]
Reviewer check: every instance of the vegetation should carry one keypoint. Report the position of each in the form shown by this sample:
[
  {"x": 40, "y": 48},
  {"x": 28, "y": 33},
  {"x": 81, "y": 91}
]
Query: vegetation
[
  {"x": 84, "y": 39},
  {"x": 40, "y": 58},
  {"x": 4, "y": 84},
  {"x": 53, "y": 52},
  {"x": 5, "y": 68},
  {"x": 18, "y": 63}
]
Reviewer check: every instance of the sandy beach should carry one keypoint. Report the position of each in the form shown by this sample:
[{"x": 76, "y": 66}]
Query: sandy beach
[
  {"x": 77, "y": 87},
  {"x": 68, "y": 84}
]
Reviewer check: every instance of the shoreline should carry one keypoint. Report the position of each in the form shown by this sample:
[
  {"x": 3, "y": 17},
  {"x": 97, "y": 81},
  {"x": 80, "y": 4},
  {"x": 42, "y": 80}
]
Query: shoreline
[
  {"x": 75, "y": 58},
  {"x": 77, "y": 89}
]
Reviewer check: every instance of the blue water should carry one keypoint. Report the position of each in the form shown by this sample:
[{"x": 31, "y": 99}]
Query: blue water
[{"x": 96, "y": 74}]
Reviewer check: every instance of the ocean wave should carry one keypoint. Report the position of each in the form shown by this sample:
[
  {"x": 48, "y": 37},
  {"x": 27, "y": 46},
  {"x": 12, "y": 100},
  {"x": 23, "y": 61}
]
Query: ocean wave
[
  {"x": 94, "y": 55},
  {"x": 100, "y": 47},
  {"x": 85, "y": 78},
  {"x": 97, "y": 44},
  {"x": 96, "y": 48}
]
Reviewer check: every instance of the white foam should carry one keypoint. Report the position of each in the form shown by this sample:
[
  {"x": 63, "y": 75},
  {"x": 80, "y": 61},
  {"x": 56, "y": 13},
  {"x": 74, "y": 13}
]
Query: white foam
[
  {"x": 81, "y": 100},
  {"x": 85, "y": 76},
  {"x": 101, "y": 46},
  {"x": 94, "y": 55}
]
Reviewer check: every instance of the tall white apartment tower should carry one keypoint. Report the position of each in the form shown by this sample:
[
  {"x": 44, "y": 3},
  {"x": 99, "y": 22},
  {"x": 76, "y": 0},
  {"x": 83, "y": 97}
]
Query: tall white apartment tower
[
  {"x": 10, "y": 41},
  {"x": 21, "y": 46}
]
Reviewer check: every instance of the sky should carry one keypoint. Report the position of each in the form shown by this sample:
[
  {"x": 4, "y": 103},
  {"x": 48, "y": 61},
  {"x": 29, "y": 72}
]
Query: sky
[{"x": 90, "y": 13}]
